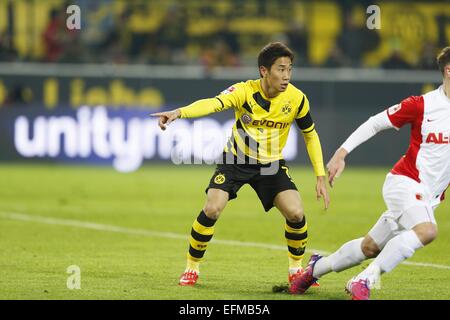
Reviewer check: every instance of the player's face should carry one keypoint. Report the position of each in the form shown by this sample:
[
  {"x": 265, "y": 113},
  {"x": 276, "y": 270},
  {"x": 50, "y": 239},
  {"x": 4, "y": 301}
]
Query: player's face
[{"x": 279, "y": 75}]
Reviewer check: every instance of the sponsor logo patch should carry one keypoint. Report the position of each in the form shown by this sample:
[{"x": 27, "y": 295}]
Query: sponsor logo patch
[
  {"x": 270, "y": 124},
  {"x": 246, "y": 118},
  {"x": 394, "y": 109},
  {"x": 228, "y": 90},
  {"x": 438, "y": 138}
]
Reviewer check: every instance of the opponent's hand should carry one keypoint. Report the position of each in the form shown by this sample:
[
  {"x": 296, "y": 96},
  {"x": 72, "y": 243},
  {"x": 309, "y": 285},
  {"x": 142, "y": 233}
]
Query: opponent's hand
[
  {"x": 165, "y": 118},
  {"x": 322, "y": 192},
  {"x": 336, "y": 165}
]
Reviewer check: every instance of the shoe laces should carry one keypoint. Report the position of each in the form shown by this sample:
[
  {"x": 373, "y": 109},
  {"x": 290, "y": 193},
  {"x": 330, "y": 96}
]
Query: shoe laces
[
  {"x": 364, "y": 282},
  {"x": 364, "y": 285},
  {"x": 191, "y": 274}
]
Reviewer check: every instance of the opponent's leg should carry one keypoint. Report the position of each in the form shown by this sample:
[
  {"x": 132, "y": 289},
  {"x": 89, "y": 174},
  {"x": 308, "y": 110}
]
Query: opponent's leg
[
  {"x": 420, "y": 230},
  {"x": 399, "y": 249},
  {"x": 347, "y": 256},
  {"x": 356, "y": 251},
  {"x": 201, "y": 233},
  {"x": 350, "y": 254}
]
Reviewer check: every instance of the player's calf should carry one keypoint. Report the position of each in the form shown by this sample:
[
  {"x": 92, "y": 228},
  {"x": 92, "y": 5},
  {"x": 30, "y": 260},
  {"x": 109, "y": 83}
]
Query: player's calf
[
  {"x": 426, "y": 232},
  {"x": 369, "y": 247}
]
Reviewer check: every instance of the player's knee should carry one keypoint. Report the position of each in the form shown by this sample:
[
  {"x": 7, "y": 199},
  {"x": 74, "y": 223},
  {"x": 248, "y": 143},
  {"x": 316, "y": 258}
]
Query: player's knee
[
  {"x": 212, "y": 210},
  {"x": 295, "y": 215},
  {"x": 426, "y": 232},
  {"x": 369, "y": 248}
]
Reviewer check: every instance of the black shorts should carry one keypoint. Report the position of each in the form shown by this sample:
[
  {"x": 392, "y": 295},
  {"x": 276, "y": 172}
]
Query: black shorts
[{"x": 267, "y": 180}]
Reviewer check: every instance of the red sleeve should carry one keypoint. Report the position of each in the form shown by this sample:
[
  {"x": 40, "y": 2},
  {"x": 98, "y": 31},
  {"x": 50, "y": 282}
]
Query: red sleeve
[
  {"x": 406, "y": 111},
  {"x": 443, "y": 193}
]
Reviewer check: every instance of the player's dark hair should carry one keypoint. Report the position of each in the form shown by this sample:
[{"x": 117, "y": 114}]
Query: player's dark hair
[
  {"x": 272, "y": 52},
  {"x": 443, "y": 59}
]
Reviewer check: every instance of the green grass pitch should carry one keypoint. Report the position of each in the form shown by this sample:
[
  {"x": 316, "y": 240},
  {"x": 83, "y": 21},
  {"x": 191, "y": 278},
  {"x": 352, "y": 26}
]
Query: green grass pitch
[{"x": 128, "y": 234}]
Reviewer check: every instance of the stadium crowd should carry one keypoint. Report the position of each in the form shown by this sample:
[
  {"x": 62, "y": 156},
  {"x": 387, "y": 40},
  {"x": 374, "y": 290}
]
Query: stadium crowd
[{"x": 195, "y": 32}]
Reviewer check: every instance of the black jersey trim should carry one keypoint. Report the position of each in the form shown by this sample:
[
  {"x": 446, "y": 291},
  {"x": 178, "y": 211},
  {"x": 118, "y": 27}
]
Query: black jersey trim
[
  {"x": 305, "y": 122},
  {"x": 263, "y": 103},
  {"x": 301, "y": 106}
]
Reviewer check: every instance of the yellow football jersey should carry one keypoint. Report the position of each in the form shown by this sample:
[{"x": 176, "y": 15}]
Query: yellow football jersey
[{"x": 262, "y": 124}]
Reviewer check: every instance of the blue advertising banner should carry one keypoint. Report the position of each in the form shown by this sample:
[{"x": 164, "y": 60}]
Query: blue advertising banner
[{"x": 123, "y": 138}]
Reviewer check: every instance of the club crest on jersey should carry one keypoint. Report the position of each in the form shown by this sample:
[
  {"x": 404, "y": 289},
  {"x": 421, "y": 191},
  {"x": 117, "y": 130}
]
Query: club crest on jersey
[
  {"x": 228, "y": 90},
  {"x": 286, "y": 109},
  {"x": 394, "y": 109},
  {"x": 246, "y": 118},
  {"x": 219, "y": 179}
]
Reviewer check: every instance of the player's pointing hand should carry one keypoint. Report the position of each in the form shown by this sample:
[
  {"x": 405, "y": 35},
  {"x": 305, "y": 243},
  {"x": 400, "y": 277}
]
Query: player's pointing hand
[
  {"x": 165, "y": 118},
  {"x": 336, "y": 165}
]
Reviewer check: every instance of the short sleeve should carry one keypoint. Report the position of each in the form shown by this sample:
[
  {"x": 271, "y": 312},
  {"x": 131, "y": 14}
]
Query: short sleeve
[
  {"x": 303, "y": 107},
  {"x": 406, "y": 111},
  {"x": 233, "y": 96}
]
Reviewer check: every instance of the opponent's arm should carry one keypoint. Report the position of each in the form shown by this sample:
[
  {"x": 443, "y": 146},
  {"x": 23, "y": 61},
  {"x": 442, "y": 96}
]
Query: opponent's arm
[{"x": 365, "y": 131}]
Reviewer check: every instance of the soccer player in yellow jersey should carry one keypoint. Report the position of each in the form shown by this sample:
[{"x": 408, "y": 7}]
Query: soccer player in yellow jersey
[{"x": 264, "y": 109}]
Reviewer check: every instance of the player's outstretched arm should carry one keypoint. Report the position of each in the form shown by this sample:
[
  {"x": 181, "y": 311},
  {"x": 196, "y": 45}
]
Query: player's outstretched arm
[
  {"x": 165, "y": 118},
  {"x": 336, "y": 165},
  {"x": 197, "y": 109}
]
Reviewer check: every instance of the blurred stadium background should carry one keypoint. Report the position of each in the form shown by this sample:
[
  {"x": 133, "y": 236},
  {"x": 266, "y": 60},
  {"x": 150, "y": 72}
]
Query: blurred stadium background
[
  {"x": 82, "y": 97},
  {"x": 138, "y": 57}
]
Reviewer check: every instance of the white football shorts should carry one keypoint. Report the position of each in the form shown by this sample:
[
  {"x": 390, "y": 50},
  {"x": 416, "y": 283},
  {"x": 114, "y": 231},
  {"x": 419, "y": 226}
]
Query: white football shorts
[{"x": 408, "y": 204}]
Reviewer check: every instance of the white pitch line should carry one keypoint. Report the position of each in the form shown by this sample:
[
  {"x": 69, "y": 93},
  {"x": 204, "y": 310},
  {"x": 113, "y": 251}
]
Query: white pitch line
[{"x": 171, "y": 235}]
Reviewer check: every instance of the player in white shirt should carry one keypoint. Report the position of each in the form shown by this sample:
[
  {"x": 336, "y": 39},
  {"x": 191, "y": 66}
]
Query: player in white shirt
[{"x": 412, "y": 190}]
